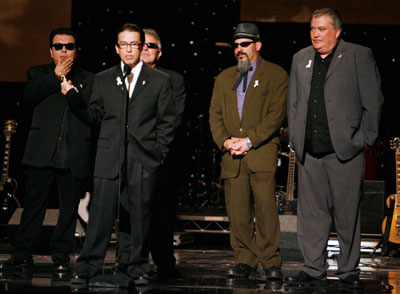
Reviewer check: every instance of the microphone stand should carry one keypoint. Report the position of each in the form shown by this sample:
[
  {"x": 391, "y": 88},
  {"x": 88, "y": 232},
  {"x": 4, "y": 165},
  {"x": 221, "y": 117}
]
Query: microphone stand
[{"x": 118, "y": 279}]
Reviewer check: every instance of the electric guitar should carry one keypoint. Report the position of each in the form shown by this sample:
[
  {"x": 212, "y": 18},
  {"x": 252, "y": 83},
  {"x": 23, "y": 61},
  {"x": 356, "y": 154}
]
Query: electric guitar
[
  {"x": 394, "y": 233},
  {"x": 285, "y": 200},
  {"x": 8, "y": 186}
]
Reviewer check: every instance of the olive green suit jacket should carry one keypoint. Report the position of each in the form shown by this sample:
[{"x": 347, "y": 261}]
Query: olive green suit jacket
[{"x": 264, "y": 111}]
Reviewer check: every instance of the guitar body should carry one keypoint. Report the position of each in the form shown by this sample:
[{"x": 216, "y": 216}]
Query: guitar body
[
  {"x": 8, "y": 201},
  {"x": 8, "y": 186},
  {"x": 393, "y": 201},
  {"x": 394, "y": 234}
]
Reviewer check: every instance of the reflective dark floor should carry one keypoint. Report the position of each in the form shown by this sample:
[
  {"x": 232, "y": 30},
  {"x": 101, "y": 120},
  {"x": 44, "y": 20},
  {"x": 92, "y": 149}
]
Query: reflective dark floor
[{"x": 203, "y": 269}]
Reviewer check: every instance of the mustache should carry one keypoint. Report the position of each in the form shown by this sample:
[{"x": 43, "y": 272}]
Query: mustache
[{"x": 241, "y": 53}]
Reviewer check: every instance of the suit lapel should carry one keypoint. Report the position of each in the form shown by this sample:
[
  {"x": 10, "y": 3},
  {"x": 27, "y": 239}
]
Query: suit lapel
[
  {"x": 233, "y": 96},
  {"x": 337, "y": 58},
  {"x": 119, "y": 82},
  {"x": 305, "y": 69},
  {"x": 142, "y": 81}
]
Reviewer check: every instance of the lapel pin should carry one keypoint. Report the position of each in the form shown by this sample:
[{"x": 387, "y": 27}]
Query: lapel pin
[
  {"x": 143, "y": 83},
  {"x": 309, "y": 63},
  {"x": 119, "y": 82},
  {"x": 80, "y": 85},
  {"x": 256, "y": 83},
  {"x": 340, "y": 56}
]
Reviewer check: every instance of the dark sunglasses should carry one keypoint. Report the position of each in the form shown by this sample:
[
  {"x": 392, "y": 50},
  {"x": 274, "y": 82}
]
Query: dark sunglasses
[
  {"x": 243, "y": 44},
  {"x": 59, "y": 46},
  {"x": 151, "y": 45}
]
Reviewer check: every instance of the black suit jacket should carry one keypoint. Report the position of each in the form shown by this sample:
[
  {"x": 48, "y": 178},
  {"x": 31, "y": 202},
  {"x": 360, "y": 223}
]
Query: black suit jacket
[
  {"x": 150, "y": 124},
  {"x": 178, "y": 88},
  {"x": 43, "y": 92}
]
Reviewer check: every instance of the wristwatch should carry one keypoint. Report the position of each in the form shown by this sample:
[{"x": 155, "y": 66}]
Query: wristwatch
[{"x": 249, "y": 143}]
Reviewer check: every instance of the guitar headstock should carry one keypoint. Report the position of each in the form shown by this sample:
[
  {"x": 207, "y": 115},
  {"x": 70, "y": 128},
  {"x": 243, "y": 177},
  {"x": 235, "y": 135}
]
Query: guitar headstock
[
  {"x": 10, "y": 127},
  {"x": 395, "y": 144}
]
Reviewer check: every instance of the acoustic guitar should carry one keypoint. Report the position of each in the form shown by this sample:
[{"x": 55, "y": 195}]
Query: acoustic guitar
[
  {"x": 393, "y": 201},
  {"x": 8, "y": 185}
]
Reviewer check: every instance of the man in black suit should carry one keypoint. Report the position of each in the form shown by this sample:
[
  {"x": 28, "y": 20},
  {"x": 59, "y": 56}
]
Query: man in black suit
[
  {"x": 163, "y": 220},
  {"x": 136, "y": 115},
  {"x": 57, "y": 150}
]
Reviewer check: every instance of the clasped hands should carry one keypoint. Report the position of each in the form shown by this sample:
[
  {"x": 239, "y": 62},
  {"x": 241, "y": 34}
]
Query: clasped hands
[{"x": 236, "y": 146}]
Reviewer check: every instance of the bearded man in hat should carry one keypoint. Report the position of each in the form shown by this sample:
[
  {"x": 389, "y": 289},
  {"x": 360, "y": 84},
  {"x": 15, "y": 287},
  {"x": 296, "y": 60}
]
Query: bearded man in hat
[{"x": 247, "y": 109}]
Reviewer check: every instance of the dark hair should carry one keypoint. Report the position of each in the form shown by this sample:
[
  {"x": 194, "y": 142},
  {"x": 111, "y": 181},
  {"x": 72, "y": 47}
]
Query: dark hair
[
  {"x": 131, "y": 27},
  {"x": 61, "y": 31},
  {"x": 333, "y": 13}
]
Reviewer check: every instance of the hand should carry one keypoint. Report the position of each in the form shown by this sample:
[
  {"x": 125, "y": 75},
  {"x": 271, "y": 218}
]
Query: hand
[
  {"x": 64, "y": 66},
  {"x": 236, "y": 146},
  {"x": 66, "y": 86}
]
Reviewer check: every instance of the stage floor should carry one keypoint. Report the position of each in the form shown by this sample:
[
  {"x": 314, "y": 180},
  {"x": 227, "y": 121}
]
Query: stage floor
[{"x": 203, "y": 267}]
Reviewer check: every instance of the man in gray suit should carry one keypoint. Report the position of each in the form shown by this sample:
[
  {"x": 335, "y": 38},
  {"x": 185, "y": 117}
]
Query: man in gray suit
[{"x": 334, "y": 102}]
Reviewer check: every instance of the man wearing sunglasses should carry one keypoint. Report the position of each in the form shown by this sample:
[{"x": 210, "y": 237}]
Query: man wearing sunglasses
[
  {"x": 136, "y": 114},
  {"x": 163, "y": 219},
  {"x": 57, "y": 151},
  {"x": 248, "y": 107}
]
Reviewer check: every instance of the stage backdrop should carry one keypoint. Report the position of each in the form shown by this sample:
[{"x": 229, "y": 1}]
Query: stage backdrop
[
  {"x": 24, "y": 29},
  {"x": 352, "y": 12}
]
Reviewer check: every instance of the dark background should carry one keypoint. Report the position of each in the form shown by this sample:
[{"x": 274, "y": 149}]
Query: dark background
[{"x": 189, "y": 32}]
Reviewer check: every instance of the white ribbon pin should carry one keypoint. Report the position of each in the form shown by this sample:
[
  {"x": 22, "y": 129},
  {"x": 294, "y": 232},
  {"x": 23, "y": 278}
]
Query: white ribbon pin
[
  {"x": 119, "y": 82},
  {"x": 256, "y": 83},
  {"x": 309, "y": 64}
]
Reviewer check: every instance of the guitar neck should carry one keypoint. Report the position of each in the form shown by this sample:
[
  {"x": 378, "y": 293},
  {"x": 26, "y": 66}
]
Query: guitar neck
[
  {"x": 6, "y": 160},
  {"x": 397, "y": 160},
  {"x": 291, "y": 173}
]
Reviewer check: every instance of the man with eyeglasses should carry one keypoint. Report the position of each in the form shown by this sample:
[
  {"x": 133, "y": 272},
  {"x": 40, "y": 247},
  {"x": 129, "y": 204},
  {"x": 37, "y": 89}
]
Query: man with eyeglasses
[
  {"x": 134, "y": 106},
  {"x": 163, "y": 220},
  {"x": 248, "y": 107},
  {"x": 58, "y": 150}
]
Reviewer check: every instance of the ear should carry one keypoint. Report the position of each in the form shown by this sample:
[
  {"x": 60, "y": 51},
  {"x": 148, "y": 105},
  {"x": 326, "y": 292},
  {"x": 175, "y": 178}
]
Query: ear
[
  {"x": 117, "y": 49},
  {"x": 258, "y": 45},
  {"x": 159, "y": 55},
  {"x": 51, "y": 53},
  {"x": 338, "y": 32}
]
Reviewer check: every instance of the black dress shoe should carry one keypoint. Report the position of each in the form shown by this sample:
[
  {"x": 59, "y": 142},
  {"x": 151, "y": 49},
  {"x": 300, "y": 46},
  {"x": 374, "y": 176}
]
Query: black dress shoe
[
  {"x": 242, "y": 270},
  {"x": 302, "y": 278},
  {"x": 16, "y": 263},
  {"x": 352, "y": 282},
  {"x": 141, "y": 279},
  {"x": 273, "y": 274}
]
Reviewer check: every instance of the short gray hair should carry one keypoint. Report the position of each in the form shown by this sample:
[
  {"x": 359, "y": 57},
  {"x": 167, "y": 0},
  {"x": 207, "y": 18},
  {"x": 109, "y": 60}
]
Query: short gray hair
[
  {"x": 333, "y": 13},
  {"x": 153, "y": 33}
]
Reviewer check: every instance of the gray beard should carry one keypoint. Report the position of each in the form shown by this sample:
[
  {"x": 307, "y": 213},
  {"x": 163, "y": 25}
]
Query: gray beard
[{"x": 244, "y": 66}]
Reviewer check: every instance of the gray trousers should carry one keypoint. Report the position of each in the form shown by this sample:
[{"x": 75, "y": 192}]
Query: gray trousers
[{"x": 329, "y": 189}]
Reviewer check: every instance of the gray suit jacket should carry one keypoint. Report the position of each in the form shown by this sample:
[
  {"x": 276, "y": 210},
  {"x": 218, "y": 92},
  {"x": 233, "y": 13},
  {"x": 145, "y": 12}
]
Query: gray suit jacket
[{"x": 353, "y": 99}]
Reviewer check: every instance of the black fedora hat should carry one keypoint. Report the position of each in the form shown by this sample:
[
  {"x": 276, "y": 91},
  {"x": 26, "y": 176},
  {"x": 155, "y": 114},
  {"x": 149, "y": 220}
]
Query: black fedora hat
[{"x": 247, "y": 30}]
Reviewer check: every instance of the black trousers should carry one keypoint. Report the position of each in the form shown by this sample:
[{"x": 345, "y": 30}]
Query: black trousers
[
  {"x": 136, "y": 199},
  {"x": 162, "y": 221},
  {"x": 38, "y": 185}
]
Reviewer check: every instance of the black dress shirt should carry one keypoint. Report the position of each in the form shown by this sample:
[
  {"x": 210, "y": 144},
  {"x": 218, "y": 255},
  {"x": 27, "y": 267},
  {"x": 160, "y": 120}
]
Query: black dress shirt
[{"x": 318, "y": 140}]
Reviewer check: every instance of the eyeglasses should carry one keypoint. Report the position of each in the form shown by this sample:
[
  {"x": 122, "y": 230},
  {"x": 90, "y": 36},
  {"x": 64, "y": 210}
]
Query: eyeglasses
[
  {"x": 59, "y": 46},
  {"x": 243, "y": 44},
  {"x": 124, "y": 45},
  {"x": 151, "y": 45}
]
